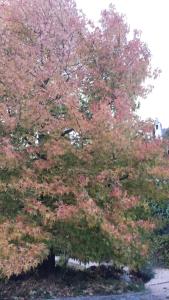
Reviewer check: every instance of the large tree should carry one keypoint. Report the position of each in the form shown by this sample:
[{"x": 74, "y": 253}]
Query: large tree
[{"x": 77, "y": 167}]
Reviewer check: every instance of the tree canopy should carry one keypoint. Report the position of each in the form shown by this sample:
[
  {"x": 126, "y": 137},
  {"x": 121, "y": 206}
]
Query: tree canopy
[{"x": 77, "y": 166}]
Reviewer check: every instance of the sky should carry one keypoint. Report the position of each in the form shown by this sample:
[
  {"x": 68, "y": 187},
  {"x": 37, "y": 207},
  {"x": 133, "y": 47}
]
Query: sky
[{"x": 151, "y": 17}]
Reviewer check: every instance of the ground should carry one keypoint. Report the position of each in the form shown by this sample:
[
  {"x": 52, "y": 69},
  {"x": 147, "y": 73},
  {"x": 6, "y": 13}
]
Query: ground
[
  {"x": 61, "y": 283},
  {"x": 41, "y": 285}
]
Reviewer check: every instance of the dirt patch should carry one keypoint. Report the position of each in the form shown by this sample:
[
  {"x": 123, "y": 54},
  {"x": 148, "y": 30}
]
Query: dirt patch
[{"x": 66, "y": 282}]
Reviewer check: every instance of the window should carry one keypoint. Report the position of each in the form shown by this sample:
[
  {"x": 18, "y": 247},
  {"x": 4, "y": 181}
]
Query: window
[{"x": 156, "y": 126}]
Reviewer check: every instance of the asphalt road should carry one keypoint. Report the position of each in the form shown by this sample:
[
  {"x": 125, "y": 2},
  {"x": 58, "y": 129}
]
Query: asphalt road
[{"x": 159, "y": 285}]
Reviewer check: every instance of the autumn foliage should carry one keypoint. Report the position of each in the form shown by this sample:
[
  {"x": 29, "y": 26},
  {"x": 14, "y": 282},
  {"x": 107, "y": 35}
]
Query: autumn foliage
[{"x": 77, "y": 167}]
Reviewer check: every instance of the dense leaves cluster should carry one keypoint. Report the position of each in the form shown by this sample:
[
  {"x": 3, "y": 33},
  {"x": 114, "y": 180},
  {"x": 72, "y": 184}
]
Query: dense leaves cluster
[{"x": 77, "y": 167}]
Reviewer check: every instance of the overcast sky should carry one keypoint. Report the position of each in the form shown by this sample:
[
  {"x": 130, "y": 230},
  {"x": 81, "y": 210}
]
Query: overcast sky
[{"x": 151, "y": 17}]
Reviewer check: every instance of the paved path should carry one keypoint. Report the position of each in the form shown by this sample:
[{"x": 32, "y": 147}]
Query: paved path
[
  {"x": 130, "y": 296},
  {"x": 159, "y": 285}
]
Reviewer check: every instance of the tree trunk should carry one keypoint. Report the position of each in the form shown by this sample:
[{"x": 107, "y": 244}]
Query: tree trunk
[{"x": 48, "y": 265}]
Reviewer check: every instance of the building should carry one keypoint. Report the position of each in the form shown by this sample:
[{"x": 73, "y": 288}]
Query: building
[{"x": 158, "y": 130}]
